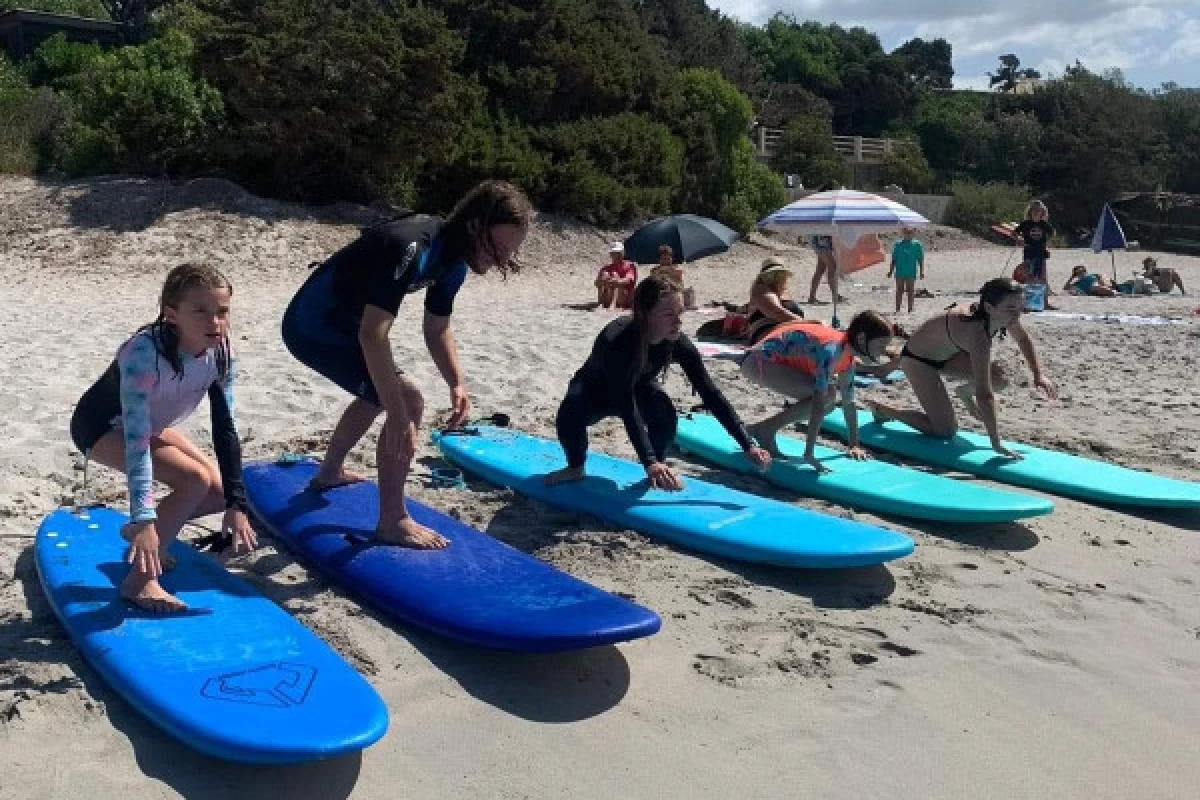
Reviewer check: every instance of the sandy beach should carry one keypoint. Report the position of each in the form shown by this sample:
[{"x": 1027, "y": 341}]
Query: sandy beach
[{"x": 1055, "y": 658}]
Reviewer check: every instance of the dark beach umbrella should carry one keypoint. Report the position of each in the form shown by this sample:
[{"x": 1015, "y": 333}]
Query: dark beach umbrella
[
  {"x": 691, "y": 237},
  {"x": 1109, "y": 236}
]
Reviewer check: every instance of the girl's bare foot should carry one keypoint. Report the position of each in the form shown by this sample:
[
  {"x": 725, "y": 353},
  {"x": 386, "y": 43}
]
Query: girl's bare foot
[
  {"x": 148, "y": 594},
  {"x": 564, "y": 475},
  {"x": 766, "y": 440},
  {"x": 322, "y": 482},
  {"x": 409, "y": 533}
]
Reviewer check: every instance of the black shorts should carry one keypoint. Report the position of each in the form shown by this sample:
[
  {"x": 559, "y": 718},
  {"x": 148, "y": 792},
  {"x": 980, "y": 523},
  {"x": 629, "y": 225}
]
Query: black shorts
[
  {"x": 324, "y": 340},
  {"x": 96, "y": 411}
]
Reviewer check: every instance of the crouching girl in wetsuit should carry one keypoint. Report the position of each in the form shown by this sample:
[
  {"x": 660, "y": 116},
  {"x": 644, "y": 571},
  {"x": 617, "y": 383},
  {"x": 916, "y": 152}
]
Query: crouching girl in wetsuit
[
  {"x": 127, "y": 420},
  {"x": 339, "y": 322},
  {"x": 622, "y": 378},
  {"x": 959, "y": 343},
  {"x": 808, "y": 362}
]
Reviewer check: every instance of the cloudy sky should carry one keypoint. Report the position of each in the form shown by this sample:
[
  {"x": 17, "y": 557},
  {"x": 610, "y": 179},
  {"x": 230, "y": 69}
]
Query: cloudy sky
[{"x": 1151, "y": 42}]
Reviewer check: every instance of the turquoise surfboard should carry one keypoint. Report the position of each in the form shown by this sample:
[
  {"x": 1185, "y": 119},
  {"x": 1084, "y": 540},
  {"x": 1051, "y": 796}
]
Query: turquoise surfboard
[
  {"x": 1047, "y": 470},
  {"x": 235, "y": 676},
  {"x": 705, "y": 517},
  {"x": 870, "y": 485}
]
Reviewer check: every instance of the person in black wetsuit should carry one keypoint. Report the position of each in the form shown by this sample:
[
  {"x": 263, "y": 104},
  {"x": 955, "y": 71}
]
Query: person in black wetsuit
[
  {"x": 622, "y": 378},
  {"x": 338, "y": 324}
]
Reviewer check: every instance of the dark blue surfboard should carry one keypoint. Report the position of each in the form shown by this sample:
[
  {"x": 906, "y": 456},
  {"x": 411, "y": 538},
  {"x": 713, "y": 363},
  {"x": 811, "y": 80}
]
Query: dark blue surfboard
[{"x": 478, "y": 590}]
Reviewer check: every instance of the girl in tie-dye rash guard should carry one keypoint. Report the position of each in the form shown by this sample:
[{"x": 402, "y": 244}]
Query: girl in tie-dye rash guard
[{"x": 127, "y": 420}]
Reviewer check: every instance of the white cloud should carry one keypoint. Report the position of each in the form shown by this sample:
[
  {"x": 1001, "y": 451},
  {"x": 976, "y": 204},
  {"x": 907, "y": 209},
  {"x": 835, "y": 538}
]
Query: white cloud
[{"x": 1154, "y": 39}]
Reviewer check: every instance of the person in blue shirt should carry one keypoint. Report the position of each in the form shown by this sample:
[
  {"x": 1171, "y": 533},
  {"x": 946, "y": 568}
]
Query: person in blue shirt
[
  {"x": 339, "y": 323},
  {"x": 908, "y": 256}
]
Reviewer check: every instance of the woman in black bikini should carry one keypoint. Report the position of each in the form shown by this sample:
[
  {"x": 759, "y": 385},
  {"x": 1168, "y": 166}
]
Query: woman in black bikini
[{"x": 959, "y": 343}]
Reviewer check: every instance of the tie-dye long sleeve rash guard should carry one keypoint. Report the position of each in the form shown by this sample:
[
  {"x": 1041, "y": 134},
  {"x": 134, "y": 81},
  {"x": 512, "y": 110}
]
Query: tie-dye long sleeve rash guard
[{"x": 154, "y": 397}]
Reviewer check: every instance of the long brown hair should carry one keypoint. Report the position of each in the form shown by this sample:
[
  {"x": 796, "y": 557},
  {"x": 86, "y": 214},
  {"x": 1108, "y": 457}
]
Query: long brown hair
[
  {"x": 180, "y": 280},
  {"x": 490, "y": 203},
  {"x": 649, "y": 294}
]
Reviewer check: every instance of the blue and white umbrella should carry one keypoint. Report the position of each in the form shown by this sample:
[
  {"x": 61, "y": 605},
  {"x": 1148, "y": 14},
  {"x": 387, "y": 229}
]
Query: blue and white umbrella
[
  {"x": 844, "y": 213},
  {"x": 1109, "y": 236}
]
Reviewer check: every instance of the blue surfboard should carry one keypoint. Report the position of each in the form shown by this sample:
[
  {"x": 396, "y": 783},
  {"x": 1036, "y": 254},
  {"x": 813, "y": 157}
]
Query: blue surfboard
[
  {"x": 1048, "y": 470},
  {"x": 478, "y": 590},
  {"x": 872, "y": 485},
  {"x": 235, "y": 677},
  {"x": 705, "y": 517}
]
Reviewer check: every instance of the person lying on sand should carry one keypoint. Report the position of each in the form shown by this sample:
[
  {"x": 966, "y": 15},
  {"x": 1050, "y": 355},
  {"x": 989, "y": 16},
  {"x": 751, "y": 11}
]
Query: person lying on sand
[
  {"x": 339, "y": 322},
  {"x": 622, "y": 377},
  {"x": 959, "y": 343},
  {"x": 805, "y": 361},
  {"x": 127, "y": 421},
  {"x": 1085, "y": 283}
]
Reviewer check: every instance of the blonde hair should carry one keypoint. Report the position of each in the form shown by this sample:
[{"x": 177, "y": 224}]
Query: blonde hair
[
  {"x": 181, "y": 280},
  {"x": 1037, "y": 205},
  {"x": 774, "y": 280}
]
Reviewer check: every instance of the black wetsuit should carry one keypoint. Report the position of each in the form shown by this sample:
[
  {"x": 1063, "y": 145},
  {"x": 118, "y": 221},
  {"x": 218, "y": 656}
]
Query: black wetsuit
[
  {"x": 610, "y": 384},
  {"x": 386, "y": 262}
]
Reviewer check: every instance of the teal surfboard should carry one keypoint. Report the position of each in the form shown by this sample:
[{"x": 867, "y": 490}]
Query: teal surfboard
[
  {"x": 1047, "y": 470},
  {"x": 705, "y": 517},
  {"x": 870, "y": 485}
]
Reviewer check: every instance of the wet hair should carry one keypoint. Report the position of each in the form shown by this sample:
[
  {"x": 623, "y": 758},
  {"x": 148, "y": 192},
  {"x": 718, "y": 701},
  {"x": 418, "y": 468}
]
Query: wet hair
[
  {"x": 648, "y": 294},
  {"x": 1035, "y": 205},
  {"x": 871, "y": 325},
  {"x": 181, "y": 280},
  {"x": 992, "y": 293},
  {"x": 490, "y": 203}
]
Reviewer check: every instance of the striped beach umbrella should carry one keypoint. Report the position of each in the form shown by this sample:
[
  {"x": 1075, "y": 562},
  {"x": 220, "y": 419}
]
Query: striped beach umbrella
[{"x": 843, "y": 213}]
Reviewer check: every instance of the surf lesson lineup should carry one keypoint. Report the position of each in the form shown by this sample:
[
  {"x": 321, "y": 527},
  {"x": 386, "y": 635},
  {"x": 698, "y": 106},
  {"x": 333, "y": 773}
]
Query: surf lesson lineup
[{"x": 210, "y": 660}]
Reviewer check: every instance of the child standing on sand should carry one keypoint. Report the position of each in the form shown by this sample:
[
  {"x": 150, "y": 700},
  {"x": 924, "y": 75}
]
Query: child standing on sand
[
  {"x": 907, "y": 256},
  {"x": 127, "y": 420}
]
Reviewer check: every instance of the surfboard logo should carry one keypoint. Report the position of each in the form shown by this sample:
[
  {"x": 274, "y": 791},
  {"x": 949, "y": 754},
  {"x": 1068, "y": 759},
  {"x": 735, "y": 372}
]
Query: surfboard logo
[{"x": 278, "y": 685}]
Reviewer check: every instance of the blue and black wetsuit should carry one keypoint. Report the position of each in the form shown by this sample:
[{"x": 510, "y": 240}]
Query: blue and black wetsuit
[{"x": 385, "y": 263}]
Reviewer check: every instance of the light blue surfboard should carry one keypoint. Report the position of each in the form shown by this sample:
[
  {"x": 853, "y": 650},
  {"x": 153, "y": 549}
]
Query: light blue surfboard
[
  {"x": 235, "y": 677},
  {"x": 705, "y": 517},
  {"x": 871, "y": 485},
  {"x": 1047, "y": 470},
  {"x": 478, "y": 590}
]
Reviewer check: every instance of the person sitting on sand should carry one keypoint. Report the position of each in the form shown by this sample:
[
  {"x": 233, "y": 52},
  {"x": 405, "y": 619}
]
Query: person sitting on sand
[
  {"x": 128, "y": 421},
  {"x": 805, "y": 361},
  {"x": 614, "y": 284},
  {"x": 667, "y": 268},
  {"x": 769, "y": 303},
  {"x": 622, "y": 378},
  {"x": 1089, "y": 283},
  {"x": 1164, "y": 278},
  {"x": 959, "y": 343},
  {"x": 338, "y": 324}
]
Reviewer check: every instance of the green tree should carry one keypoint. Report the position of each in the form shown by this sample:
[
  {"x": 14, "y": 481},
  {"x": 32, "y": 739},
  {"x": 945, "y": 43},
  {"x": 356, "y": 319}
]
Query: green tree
[
  {"x": 609, "y": 170},
  {"x": 807, "y": 150},
  {"x": 928, "y": 64},
  {"x": 907, "y": 167},
  {"x": 338, "y": 99},
  {"x": 1010, "y": 74},
  {"x": 693, "y": 35}
]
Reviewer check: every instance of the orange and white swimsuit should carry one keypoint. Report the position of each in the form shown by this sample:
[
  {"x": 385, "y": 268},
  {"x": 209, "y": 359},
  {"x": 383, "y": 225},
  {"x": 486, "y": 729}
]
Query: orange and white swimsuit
[{"x": 810, "y": 347}]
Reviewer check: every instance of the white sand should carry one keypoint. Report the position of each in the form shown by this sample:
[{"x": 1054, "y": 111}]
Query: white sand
[{"x": 1057, "y": 658}]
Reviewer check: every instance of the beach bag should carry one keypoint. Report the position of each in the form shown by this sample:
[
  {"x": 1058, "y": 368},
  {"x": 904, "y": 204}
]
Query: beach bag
[{"x": 1035, "y": 297}]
